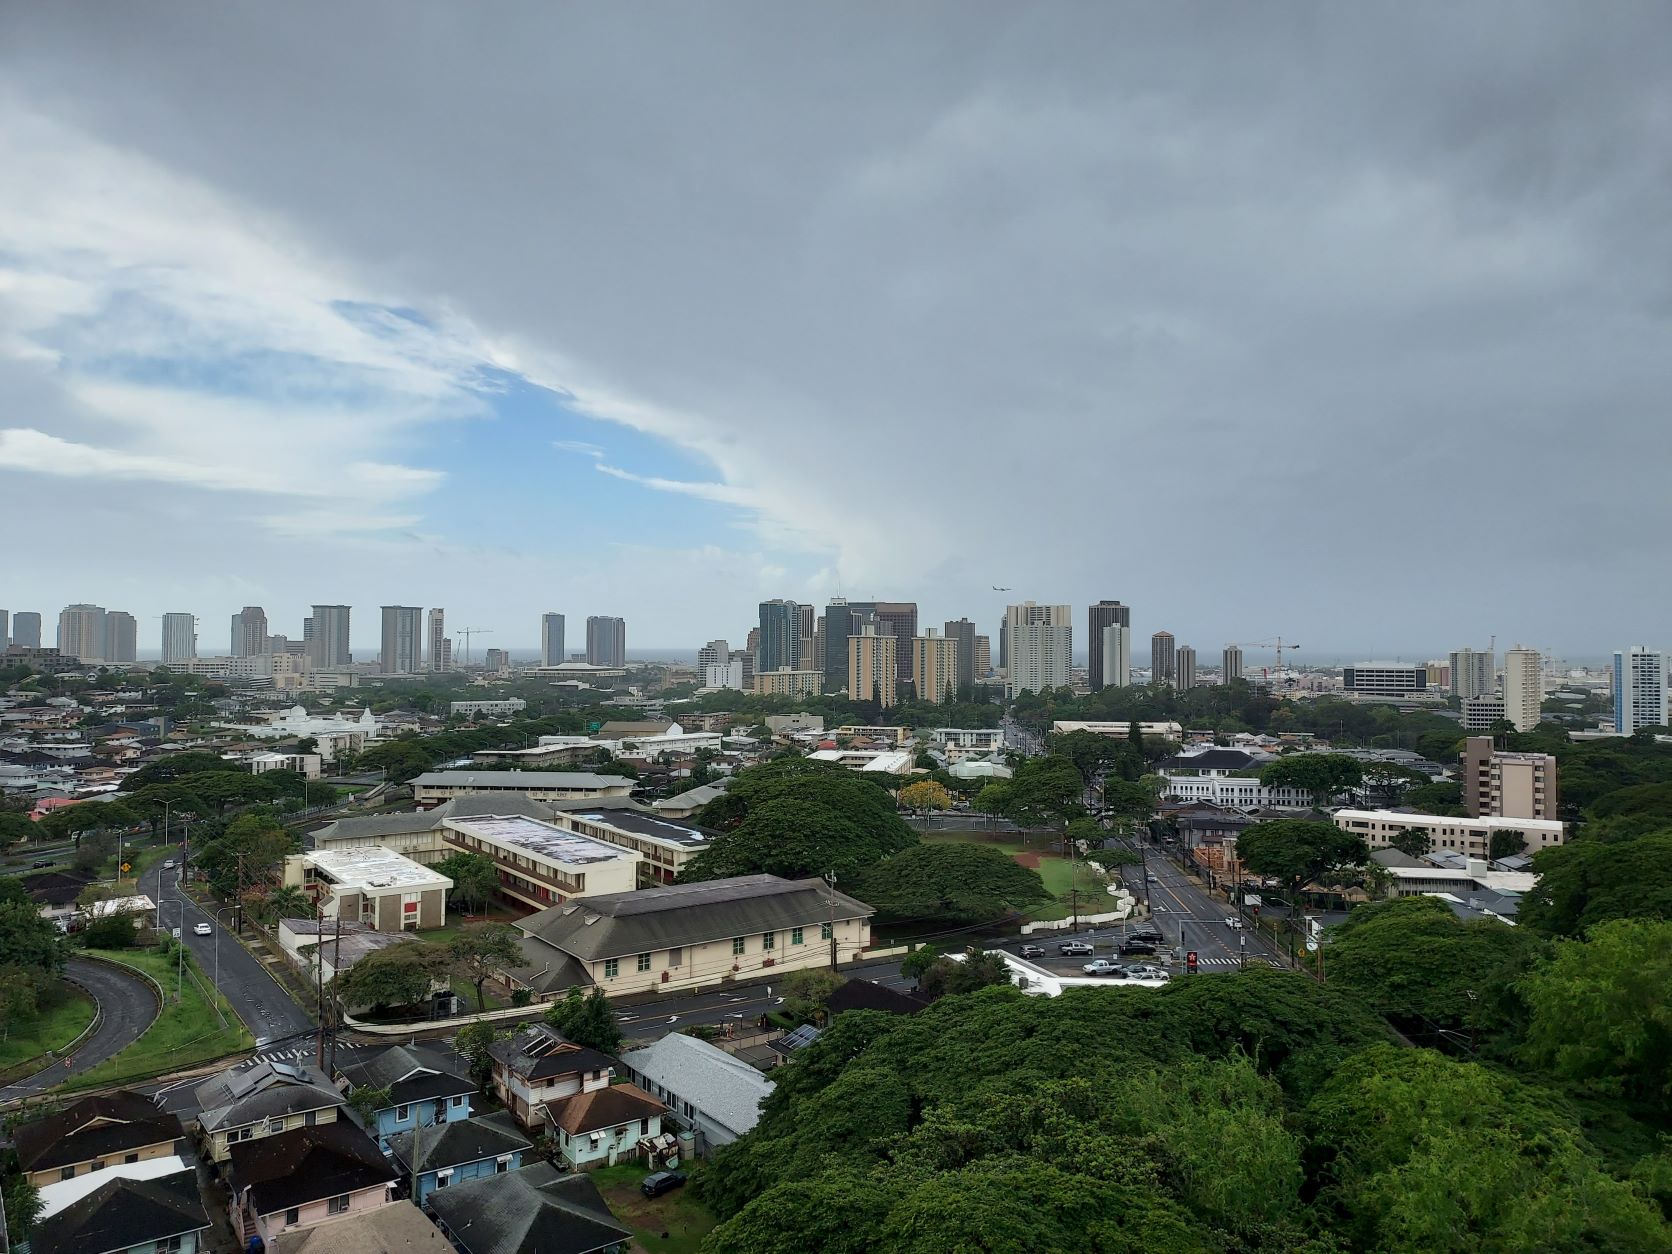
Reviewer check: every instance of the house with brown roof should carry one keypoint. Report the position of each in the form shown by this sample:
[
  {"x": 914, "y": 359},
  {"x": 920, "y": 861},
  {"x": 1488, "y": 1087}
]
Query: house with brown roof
[
  {"x": 604, "y": 1126},
  {"x": 537, "y": 1068},
  {"x": 94, "y": 1133}
]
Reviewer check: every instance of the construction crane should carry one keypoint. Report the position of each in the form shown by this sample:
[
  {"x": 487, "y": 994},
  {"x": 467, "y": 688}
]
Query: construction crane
[
  {"x": 467, "y": 633},
  {"x": 1276, "y": 644}
]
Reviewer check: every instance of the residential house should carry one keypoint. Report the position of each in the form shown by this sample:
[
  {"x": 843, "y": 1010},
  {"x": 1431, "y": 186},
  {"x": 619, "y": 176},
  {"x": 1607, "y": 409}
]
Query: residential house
[
  {"x": 705, "y": 1088},
  {"x": 425, "y": 1089},
  {"x": 601, "y": 1127},
  {"x": 161, "y": 1215},
  {"x": 398, "y": 1228},
  {"x": 468, "y": 1149},
  {"x": 689, "y": 935},
  {"x": 537, "y": 1210},
  {"x": 94, "y": 1133},
  {"x": 537, "y": 1067},
  {"x": 248, "y": 1103},
  {"x": 304, "y": 1177}
]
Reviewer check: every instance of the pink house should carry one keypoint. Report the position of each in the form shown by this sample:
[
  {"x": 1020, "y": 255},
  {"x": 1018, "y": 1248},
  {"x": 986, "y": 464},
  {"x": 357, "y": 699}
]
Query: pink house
[{"x": 304, "y": 1177}]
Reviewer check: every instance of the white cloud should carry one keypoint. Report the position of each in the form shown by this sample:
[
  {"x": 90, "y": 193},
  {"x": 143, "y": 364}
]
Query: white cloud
[{"x": 579, "y": 446}]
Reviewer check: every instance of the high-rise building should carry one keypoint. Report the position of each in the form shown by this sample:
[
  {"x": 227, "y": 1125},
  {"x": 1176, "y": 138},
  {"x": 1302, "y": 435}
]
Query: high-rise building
[
  {"x": 1640, "y": 689},
  {"x": 26, "y": 629},
  {"x": 818, "y": 647},
  {"x": 496, "y": 661},
  {"x": 281, "y": 644},
  {"x": 81, "y": 632},
  {"x": 1040, "y": 648},
  {"x": 435, "y": 636},
  {"x": 838, "y": 618},
  {"x": 1500, "y": 784},
  {"x": 1230, "y": 663},
  {"x": 962, "y": 631},
  {"x": 606, "y": 641},
  {"x": 935, "y": 667},
  {"x": 780, "y": 642},
  {"x": 121, "y": 637},
  {"x": 983, "y": 657},
  {"x": 714, "y": 653},
  {"x": 1161, "y": 657},
  {"x": 5, "y": 629},
  {"x": 786, "y": 683},
  {"x": 551, "y": 640},
  {"x": 1098, "y": 617},
  {"x": 873, "y": 671},
  {"x": 328, "y": 645},
  {"x": 1184, "y": 667},
  {"x": 403, "y": 640},
  {"x": 899, "y": 619},
  {"x": 806, "y": 628},
  {"x": 1523, "y": 687},
  {"x": 1112, "y": 648},
  {"x": 1385, "y": 679},
  {"x": 1473, "y": 673},
  {"x": 446, "y": 654},
  {"x": 249, "y": 632}
]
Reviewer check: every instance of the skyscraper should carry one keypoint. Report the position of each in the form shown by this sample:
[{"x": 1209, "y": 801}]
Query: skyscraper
[
  {"x": 714, "y": 653},
  {"x": 1523, "y": 687},
  {"x": 963, "y": 632},
  {"x": 121, "y": 637},
  {"x": 1640, "y": 689},
  {"x": 551, "y": 640},
  {"x": 1184, "y": 667},
  {"x": 806, "y": 627},
  {"x": 5, "y": 629},
  {"x": 496, "y": 661},
  {"x": 26, "y": 629},
  {"x": 81, "y": 632},
  {"x": 899, "y": 619},
  {"x": 1473, "y": 673},
  {"x": 1098, "y": 617},
  {"x": 179, "y": 638},
  {"x": 873, "y": 672},
  {"x": 440, "y": 657},
  {"x": 935, "y": 667},
  {"x": 842, "y": 620},
  {"x": 780, "y": 646},
  {"x": 403, "y": 640},
  {"x": 1040, "y": 647},
  {"x": 249, "y": 632},
  {"x": 1230, "y": 663},
  {"x": 818, "y": 646},
  {"x": 606, "y": 641},
  {"x": 328, "y": 644},
  {"x": 1161, "y": 657},
  {"x": 983, "y": 657},
  {"x": 1112, "y": 648}
]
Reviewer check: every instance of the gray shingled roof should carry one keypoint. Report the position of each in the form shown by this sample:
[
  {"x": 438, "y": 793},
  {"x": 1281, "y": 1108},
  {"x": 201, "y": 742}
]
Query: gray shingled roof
[
  {"x": 124, "y": 1213},
  {"x": 726, "y": 1089},
  {"x": 249, "y": 1094},
  {"x": 535, "y": 1210},
  {"x": 614, "y": 925},
  {"x": 410, "y": 1073},
  {"x": 459, "y": 1142}
]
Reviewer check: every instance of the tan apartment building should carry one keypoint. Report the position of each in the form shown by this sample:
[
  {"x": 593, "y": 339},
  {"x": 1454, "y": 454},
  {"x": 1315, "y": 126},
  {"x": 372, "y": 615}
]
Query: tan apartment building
[
  {"x": 436, "y": 786},
  {"x": 934, "y": 666},
  {"x": 540, "y": 863},
  {"x": 684, "y": 936},
  {"x": 789, "y": 683},
  {"x": 1469, "y": 836},
  {"x": 887, "y": 733},
  {"x": 873, "y": 668},
  {"x": 371, "y": 884},
  {"x": 1508, "y": 785}
]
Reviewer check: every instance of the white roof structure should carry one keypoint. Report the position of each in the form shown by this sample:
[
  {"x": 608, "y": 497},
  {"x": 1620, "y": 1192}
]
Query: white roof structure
[
  {"x": 373, "y": 869},
  {"x": 726, "y": 1089},
  {"x": 61, "y": 1193},
  {"x": 893, "y": 761},
  {"x": 545, "y": 840},
  {"x": 121, "y": 905}
]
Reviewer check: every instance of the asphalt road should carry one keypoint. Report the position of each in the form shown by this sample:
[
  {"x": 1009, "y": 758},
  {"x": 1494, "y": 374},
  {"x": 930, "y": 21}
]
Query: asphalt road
[
  {"x": 1189, "y": 917},
  {"x": 264, "y": 1005},
  {"x": 128, "y": 1005}
]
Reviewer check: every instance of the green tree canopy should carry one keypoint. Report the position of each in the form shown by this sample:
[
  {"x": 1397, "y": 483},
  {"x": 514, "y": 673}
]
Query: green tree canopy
[
  {"x": 398, "y": 976},
  {"x": 474, "y": 875},
  {"x": 1298, "y": 851},
  {"x": 250, "y": 852},
  {"x": 481, "y": 950},
  {"x": 586, "y": 1019},
  {"x": 1585, "y": 882},
  {"x": 949, "y": 977},
  {"x": 949, "y": 881},
  {"x": 796, "y": 839},
  {"x": 1041, "y": 792},
  {"x": 806, "y": 991},
  {"x": 1322, "y": 774}
]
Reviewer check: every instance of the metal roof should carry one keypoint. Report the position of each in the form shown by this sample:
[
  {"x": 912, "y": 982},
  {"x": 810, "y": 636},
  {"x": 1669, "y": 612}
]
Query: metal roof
[{"x": 556, "y": 844}]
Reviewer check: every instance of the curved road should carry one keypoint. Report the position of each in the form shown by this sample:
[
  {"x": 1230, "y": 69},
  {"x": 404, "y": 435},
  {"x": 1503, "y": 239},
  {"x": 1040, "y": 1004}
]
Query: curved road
[{"x": 128, "y": 1004}]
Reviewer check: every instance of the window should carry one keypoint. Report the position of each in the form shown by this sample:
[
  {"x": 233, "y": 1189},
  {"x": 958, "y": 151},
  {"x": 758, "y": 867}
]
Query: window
[
  {"x": 293, "y": 1216},
  {"x": 502, "y": 1165},
  {"x": 644, "y": 962},
  {"x": 171, "y": 1245},
  {"x": 458, "y": 1100},
  {"x": 612, "y": 968},
  {"x": 401, "y": 1112},
  {"x": 337, "y": 1205},
  {"x": 130, "y": 1158},
  {"x": 443, "y": 1178},
  {"x": 67, "y": 1173},
  {"x": 769, "y": 940},
  {"x": 737, "y": 945},
  {"x": 824, "y": 931},
  {"x": 275, "y": 1126},
  {"x": 644, "y": 1127},
  {"x": 795, "y": 936},
  {"x": 97, "y": 1165},
  {"x": 676, "y": 955}
]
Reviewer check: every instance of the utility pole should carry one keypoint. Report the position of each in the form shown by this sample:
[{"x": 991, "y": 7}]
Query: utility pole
[
  {"x": 319, "y": 981},
  {"x": 830, "y": 895},
  {"x": 334, "y": 1005}
]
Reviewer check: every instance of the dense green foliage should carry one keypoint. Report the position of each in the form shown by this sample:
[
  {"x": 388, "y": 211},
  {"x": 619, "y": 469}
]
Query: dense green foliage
[
  {"x": 948, "y": 881},
  {"x": 1041, "y": 792},
  {"x": 398, "y": 976},
  {"x": 1299, "y": 851},
  {"x": 586, "y": 1019},
  {"x": 1324, "y": 775},
  {"x": 474, "y": 876},
  {"x": 1590, "y": 881}
]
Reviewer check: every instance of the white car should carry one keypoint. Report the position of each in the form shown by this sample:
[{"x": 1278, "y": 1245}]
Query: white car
[
  {"x": 1147, "y": 973},
  {"x": 169, "y": 865},
  {"x": 1232, "y": 920},
  {"x": 202, "y": 929}
]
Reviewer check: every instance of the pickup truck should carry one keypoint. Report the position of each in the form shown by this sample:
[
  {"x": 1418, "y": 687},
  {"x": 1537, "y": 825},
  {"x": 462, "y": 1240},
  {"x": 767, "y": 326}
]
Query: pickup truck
[{"x": 1102, "y": 966}]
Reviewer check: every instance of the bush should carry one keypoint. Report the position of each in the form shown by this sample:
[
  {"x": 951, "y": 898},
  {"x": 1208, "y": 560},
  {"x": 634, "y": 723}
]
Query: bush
[{"x": 114, "y": 931}]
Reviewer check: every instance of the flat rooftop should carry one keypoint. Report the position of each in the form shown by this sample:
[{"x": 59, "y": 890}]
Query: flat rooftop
[
  {"x": 685, "y": 835},
  {"x": 532, "y": 836},
  {"x": 519, "y": 780},
  {"x": 373, "y": 866}
]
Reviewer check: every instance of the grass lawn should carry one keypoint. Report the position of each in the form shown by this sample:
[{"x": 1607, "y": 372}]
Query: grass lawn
[
  {"x": 678, "y": 1214},
  {"x": 53, "y": 1028},
  {"x": 456, "y": 921},
  {"x": 1057, "y": 871},
  {"x": 186, "y": 1033}
]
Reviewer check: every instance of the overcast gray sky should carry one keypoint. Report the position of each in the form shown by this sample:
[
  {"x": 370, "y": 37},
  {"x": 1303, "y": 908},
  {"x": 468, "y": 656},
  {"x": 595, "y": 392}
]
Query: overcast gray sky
[{"x": 1348, "y": 322}]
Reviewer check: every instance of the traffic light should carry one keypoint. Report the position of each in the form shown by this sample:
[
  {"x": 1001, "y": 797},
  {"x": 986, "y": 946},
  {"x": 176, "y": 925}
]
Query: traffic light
[{"x": 1190, "y": 962}]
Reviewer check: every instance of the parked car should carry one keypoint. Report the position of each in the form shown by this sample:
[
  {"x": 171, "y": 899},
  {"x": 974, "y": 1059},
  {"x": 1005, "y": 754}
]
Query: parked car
[
  {"x": 1102, "y": 966},
  {"x": 169, "y": 865},
  {"x": 1032, "y": 951},
  {"x": 1137, "y": 947},
  {"x": 1144, "y": 971},
  {"x": 1232, "y": 920},
  {"x": 660, "y": 1182},
  {"x": 39, "y": 862},
  {"x": 1145, "y": 934},
  {"x": 1077, "y": 949},
  {"x": 1151, "y": 877},
  {"x": 203, "y": 929}
]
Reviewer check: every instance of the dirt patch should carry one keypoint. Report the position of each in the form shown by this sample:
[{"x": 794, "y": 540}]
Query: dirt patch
[{"x": 1029, "y": 860}]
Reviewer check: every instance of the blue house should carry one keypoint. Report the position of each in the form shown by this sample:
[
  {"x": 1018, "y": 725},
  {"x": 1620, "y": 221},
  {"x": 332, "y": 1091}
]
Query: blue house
[
  {"x": 426, "y": 1087},
  {"x": 469, "y": 1149}
]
